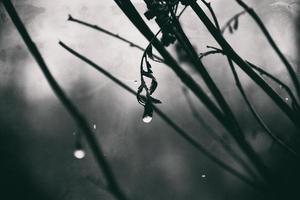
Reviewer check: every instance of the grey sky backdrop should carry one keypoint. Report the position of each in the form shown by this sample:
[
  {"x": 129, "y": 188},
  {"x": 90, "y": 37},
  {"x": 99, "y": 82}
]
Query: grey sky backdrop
[{"x": 150, "y": 161}]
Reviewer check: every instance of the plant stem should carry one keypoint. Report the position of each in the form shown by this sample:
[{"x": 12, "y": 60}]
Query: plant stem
[
  {"x": 82, "y": 123},
  {"x": 128, "y": 9},
  {"x": 182, "y": 133},
  {"x": 294, "y": 117},
  {"x": 227, "y": 24},
  {"x": 256, "y": 115},
  {"x": 259, "y": 119},
  {"x": 117, "y": 36},
  {"x": 231, "y": 122},
  {"x": 211, "y": 133},
  {"x": 266, "y": 33}
]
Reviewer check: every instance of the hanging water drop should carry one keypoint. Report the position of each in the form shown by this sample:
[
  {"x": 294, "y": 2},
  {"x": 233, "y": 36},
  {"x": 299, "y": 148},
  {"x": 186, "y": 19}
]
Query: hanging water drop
[
  {"x": 203, "y": 176},
  {"x": 148, "y": 112},
  {"x": 95, "y": 126},
  {"x": 79, "y": 153},
  {"x": 286, "y": 98},
  {"x": 135, "y": 82},
  {"x": 147, "y": 119}
]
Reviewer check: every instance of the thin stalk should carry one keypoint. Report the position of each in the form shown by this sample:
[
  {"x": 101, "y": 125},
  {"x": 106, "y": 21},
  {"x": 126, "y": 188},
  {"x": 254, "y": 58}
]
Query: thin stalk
[
  {"x": 259, "y": 119},
  {"x": 112, "y": 184},
  {"x": 227, "y": 24},
  {"x": 261, "y": 71},
  {"x": 231, "y": 121},
  {"x": 213, "y": 14},
  {"x": 211, "y": 133},
  {"x": 181, "y": 132},
  {"x": 117, "y": 36},
  {"x": 293, "y": 116},
  {"x": 266, "y": 33},
  {"x": 128, "y": 9},
  {"x": 135, "y": 45},
  {"x": 276, "y": 80},
  {"x": 256, "y": 115}
]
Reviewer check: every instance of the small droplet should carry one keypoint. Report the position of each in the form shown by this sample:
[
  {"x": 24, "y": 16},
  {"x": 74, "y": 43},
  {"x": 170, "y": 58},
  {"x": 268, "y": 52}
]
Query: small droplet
[
  {"x": 135, "y": 81},
  {"x": 95, "y": 126},
  {"x": 203, "y": 176},
  {"x": 79, "y": 153},
  {"x": 286, "y": 98},
  {"x": 147, "y": 119},
  {"x": 280, "y": 86}
]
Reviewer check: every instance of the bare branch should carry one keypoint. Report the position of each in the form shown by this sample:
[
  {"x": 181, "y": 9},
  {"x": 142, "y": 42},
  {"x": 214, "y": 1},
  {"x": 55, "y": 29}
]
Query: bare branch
[
  {"x": 266, "y": 33},
  {"x": 82, "y": 123},
  {"x": 182, "y": 133},
  {"x": 232, "y": 20}
]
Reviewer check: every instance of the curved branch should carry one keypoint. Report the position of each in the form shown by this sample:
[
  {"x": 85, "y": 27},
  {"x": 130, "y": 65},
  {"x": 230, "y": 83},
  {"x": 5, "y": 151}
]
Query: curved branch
[
  {"x": 266, "y": 33},
  {"x": 82, "y": 123},
  {"x": 182, "y": 133}
]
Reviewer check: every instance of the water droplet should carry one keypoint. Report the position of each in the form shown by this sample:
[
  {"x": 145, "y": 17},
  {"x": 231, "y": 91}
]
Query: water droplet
[
  {"x": 135, "y": 82},
  {"x": 286, "y": 98},
  {"x": 203, "y": 176},
  {"x": 147, "y": 119},
  {"x": 79, "y": 153},
  {"x": 95, "y": 126},
  {"x": 280, "y": 86}
]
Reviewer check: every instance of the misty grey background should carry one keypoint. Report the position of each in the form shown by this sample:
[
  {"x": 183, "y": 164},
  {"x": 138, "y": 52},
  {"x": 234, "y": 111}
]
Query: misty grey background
[{"x": 150, "y": 160}]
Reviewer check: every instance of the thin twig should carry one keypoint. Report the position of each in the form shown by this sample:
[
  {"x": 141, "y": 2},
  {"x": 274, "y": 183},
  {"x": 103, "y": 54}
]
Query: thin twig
[
  {"x": 82, "y": 123},
  {"x": 212, "y": 12},
  {"x": 231, "y": 121},
  {"x": 228, "y": 23},
  {"x": 279, "y": 82},
  {"x": 266, "y": 33},
  {"x": 256, "y": 115},
  {"x": 182, "y": 133},
  {"x": 130, "y": 11},
  {"x": 117, "y": 36},
  {"x": 291, "y": 114},
  {"x": 261, "y": 71},
  {"x": 259, "y": 119},
  {"x": 211, "y": 133}
]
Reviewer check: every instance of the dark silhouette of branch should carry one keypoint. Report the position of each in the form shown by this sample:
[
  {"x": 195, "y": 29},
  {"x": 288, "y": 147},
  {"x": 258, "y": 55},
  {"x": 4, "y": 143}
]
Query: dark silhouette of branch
[
  {"x": 266, "y": 33},
  {"x": 262, "y": 72},
  {"x": 211, "y": 133},
  {"x": 259, "y": 119},
  {"x": 279, "y": 82},
  {"x": 122, "y": 39},
  {"x": 202, "y": 55},
  {"x": 235, "y": 130},
  {"x": 293, "y": 116},
  {"x": 182, "y": 133},
  {"x": 256, "y": 115},
  {"x": 231, "y": 20},
  {"x": 212, "y": 12},
  {"x": 82, "y": 123},
  {"x": 128, "y": 9},
  {"x": 150, "y": 43},
  {"x": 117, "y": 36}
]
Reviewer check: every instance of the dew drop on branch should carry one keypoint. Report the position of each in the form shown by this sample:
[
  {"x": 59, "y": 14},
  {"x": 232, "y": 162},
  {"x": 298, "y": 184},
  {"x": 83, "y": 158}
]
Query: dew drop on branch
[
  {"x": 95, "y": 126},
  {"x": 286, "y": 99},
  {"x": 79, "y": 153},
  {"x": 147, "y": 119},
  {"x": 203, "y": 176}
]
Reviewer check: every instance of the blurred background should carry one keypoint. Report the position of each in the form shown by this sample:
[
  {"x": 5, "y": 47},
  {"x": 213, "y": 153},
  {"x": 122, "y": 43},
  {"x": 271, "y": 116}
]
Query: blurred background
[{"x": 150, "y": 160}]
